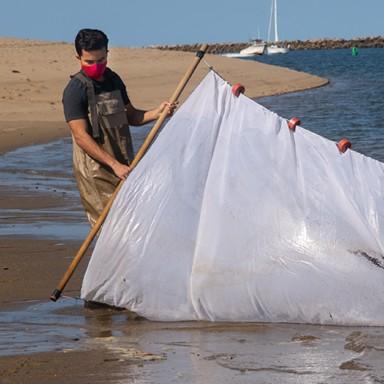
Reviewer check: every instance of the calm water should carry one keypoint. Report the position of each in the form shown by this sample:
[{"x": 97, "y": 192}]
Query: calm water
[
  {"x": 351, "y": 106},
  {"x": 39, "y": 173}
]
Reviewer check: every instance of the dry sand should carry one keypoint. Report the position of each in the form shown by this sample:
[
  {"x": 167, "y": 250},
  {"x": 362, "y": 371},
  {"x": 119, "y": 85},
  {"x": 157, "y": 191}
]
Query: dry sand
[{"x": 32, "y": 77}]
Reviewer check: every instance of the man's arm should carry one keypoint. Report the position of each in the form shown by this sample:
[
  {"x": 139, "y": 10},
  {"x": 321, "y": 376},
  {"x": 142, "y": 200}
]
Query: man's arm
[
  {"x": 86, "y": 142},
  {"x": 140, "y": 117}
]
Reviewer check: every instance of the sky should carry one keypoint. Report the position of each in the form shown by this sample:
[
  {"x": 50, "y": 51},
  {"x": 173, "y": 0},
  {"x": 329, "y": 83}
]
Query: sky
[{"x": 137, "y": 23}]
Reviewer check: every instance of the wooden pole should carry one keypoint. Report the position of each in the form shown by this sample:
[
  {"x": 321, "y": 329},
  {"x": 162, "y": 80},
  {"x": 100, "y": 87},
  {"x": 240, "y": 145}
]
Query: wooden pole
[{"x": 88, "y": 240}]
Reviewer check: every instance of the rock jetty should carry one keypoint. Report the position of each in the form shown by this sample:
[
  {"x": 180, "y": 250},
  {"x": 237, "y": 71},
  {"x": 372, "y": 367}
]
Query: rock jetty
[{"x": 220, "y": 48}]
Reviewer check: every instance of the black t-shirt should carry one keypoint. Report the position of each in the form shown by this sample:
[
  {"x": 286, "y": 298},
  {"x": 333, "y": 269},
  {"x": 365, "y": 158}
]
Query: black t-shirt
[{"x": 75, "y": 98}]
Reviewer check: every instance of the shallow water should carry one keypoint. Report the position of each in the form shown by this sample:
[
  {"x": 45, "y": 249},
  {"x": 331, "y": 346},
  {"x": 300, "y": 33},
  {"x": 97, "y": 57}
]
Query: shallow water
[
  {"x": 39, "y": 178},
  {"x": 203, "y": 352},
  {"x": 41, "y": 173}
]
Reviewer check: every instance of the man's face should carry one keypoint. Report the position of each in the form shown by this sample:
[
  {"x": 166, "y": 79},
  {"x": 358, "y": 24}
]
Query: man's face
[{"x": 88, "y": 58}]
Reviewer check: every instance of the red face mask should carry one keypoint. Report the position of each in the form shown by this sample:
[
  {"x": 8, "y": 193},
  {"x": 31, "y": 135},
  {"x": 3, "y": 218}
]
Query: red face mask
[{"x": 94, "y": 71}]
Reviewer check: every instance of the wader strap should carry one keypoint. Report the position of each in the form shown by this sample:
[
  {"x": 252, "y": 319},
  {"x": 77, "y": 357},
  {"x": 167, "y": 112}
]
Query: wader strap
[
  {"x": 91, "y": 104},
  {"x": 93, "y": 111}
]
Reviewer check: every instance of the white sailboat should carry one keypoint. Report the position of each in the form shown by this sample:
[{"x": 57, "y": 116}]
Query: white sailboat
[
  {"x": 257, "y": 48},
  {"x": 274, "y": 47}
]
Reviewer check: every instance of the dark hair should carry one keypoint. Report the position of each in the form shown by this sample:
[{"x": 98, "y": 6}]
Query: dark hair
[{"x": 90, "y": 40}]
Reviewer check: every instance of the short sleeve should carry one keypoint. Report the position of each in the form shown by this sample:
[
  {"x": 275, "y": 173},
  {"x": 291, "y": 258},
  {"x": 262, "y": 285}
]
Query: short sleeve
[{"x": 75, "y": 102}]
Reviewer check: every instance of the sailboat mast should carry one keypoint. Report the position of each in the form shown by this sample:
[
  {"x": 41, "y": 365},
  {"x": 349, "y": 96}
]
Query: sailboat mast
[
  {"x": 275, "y": 13},
  {"x": 270, "y": 23}
]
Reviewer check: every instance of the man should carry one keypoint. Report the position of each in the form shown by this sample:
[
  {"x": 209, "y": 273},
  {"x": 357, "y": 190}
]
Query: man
[{"x": 99, "y": 112}]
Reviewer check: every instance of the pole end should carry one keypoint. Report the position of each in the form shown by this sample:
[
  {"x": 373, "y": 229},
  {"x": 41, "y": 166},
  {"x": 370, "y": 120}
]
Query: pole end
[
  {"x": 55, "y": 295},
  {"x": 201, "y": 52}
]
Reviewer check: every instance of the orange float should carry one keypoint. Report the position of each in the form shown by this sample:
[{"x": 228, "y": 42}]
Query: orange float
[
  {"x": 293, "y": 123},
  {"x": 237, "y": 89},
  {"x": 343, "y": 145}
]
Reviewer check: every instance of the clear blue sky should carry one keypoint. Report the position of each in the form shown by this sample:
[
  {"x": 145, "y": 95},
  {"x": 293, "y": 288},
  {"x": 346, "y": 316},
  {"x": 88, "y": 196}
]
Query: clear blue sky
[{"x": 145, "y": 22}]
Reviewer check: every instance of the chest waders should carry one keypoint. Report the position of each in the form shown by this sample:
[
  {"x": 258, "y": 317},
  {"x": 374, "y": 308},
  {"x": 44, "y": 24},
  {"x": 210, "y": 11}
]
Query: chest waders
[{"x": 110, "y": 129}]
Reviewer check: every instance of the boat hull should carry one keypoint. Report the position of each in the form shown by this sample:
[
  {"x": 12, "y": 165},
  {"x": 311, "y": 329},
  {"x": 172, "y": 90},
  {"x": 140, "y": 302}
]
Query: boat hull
[
  {"x": 253, "y": 50},
  {"x": 273, "y": 50}
]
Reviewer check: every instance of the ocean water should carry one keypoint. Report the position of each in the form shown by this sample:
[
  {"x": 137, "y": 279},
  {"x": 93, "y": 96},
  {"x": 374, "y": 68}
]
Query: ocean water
[{"x": 350, "y": 106}]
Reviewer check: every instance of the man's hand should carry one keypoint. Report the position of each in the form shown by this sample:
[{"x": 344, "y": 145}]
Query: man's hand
[
  {"x": 89, "y": 145},
  {"x": 170, "y": 107},
  {"x": 121, "y": 170},
  {"x": 139, "y": 117}
]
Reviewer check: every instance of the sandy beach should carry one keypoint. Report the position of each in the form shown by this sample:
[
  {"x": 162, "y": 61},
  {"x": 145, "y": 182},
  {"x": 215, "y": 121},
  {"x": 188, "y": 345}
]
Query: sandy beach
[{"x": 32, "y": 77}]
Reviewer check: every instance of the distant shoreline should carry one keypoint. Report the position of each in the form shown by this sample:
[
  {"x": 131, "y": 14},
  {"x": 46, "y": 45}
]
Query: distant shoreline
[{"x": 295, "y": 45}]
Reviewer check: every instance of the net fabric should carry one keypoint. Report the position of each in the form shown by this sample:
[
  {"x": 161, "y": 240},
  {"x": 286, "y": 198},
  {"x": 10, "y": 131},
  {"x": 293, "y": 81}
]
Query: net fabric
[{"x": 230, "y": 216}]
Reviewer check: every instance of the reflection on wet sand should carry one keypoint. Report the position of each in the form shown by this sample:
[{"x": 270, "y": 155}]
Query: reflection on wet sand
[
  {"x": 198, "y": 351},
  {"x": 120, "y": 345}
]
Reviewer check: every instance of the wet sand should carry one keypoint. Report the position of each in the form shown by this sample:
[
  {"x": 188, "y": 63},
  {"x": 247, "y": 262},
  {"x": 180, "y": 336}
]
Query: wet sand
[
  {"x": 46, "y": 342},
  {"x": 30, "y": 268},
  {"x": 42, "y": 226}
]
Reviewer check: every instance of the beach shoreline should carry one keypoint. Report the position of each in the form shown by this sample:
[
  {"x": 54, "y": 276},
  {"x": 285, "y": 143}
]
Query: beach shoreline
[{"x": 32, "y": 77}]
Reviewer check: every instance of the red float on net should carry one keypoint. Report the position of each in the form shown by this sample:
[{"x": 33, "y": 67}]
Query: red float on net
[
  {"x": 237, "y": 89},
  {"x": 343, "y": 145},
  {"x": 293, "y": 123}
]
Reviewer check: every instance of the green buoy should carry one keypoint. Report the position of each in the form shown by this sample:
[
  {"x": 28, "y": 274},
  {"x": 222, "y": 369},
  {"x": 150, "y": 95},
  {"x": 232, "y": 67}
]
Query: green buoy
[{"x": 355, "y": 51}]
